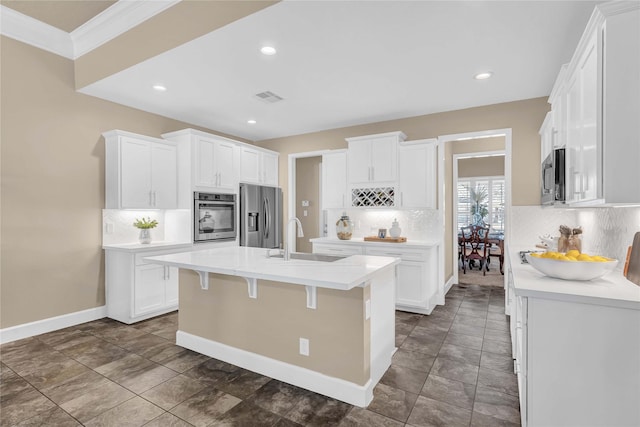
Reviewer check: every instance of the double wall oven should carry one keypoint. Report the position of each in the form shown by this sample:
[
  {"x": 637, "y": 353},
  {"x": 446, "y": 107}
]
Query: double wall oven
[{"x": 214, "y": 217}]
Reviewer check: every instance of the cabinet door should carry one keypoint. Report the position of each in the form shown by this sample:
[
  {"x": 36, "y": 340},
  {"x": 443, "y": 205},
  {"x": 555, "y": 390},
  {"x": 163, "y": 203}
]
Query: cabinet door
[
  {"x": 135, "y": 174},
  {"x": 224, "y": 169},
  {"x": 334, "y": 180},
  {"x": 148, "y": 289},
  {"x": 546, "y": 137},
  {"x": 589, "y": 95},
  {"x": 383, "y": 159},
  {"x": 171, "y": 286},
  {"x": 270, "y": 168},
  {"x": 249, "y": 165},
  {"x": 204, "y": 158},
  {"x": 417, "y": 175},
  {"x": 572, "y": 153},
  {"x": 359, "y": 162},
  {"x": 164, "y": 173},
  {"x": 410, "y": 287}
]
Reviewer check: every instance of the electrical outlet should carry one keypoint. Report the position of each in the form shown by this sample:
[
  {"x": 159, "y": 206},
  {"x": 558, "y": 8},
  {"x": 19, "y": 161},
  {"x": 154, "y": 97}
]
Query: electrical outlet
[
  {"x": 305, "y": 212},
  {"x": 304, "y": 346},
  {"x": 109, "y": 228}
]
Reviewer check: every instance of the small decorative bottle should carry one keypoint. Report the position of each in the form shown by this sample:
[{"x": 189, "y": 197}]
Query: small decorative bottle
[
  {"x": 395, "y": 229},
  {"x": 344, "y": 227}
]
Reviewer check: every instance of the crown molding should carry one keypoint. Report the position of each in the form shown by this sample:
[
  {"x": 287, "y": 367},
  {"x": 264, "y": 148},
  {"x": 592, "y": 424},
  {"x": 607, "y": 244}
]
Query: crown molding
[
  {"x": 28, "y": 30},
  {"x": 113, "y": 21}
]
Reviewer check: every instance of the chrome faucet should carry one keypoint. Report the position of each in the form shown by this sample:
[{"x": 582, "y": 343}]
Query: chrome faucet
[{"x": 286, "y": 232}]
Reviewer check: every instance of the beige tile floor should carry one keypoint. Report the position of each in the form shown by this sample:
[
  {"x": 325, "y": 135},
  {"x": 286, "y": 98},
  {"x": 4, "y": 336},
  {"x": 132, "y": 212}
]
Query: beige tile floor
[{"x": 452, "y": 368}]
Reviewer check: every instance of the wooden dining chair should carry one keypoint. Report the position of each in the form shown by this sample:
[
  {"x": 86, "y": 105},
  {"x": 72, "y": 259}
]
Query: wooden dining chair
[{"x": 474, "y": 247}]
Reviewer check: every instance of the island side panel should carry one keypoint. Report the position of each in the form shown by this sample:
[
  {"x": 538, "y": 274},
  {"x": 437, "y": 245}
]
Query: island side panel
[{"x": 272, "y": 324}]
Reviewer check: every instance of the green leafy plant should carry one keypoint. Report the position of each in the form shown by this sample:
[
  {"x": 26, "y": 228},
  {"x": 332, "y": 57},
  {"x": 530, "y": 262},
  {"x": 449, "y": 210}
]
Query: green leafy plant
[{"x": 145, "y": 223}]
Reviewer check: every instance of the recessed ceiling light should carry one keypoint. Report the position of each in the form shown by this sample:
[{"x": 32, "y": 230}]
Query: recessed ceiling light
[
  {"x": 268, "y": 50},
  {"x": 159, "y": 88},
  {"x": 251, "y": 122},
  {"x": 483, "y": 76}
]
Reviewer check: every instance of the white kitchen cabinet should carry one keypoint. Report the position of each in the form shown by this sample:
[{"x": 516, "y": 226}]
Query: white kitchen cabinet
[
  {"x": 546, "y": 137},
  {"x": 136, "y": 290},
  {"x": 337, "y": 249},
  {"x": 258, "y": 166},
  {"x": 602, "y": 107},
  {"x": 213, "y": 161},
  {"x": 214, "y": 164},
  {"x": 141, "y": 172},
  {"x": 416, "y": 275},
  {"x": 417, "y": 162},
  {"x": 372, "y": 159},
  {"x": 334, "y": 180}
]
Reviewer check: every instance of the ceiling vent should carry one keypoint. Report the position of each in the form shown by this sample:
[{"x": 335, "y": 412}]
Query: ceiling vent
[{"x": 268, "y": 97}]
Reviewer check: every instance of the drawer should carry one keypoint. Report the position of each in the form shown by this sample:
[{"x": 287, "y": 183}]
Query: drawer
[
  {"x": 330, "y": 249},
  {"x": 403, "y": 254}
]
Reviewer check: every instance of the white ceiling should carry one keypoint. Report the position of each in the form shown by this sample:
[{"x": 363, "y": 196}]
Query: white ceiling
[{"x": 342, "y": 63}]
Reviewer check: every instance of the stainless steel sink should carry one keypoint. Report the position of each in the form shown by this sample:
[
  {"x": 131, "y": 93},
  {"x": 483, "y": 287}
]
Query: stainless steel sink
[{"x": 310, "y": 257}]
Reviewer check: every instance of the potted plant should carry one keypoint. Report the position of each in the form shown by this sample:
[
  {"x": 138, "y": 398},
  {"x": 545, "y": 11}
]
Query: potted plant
[{"x": 145, "y": 225}]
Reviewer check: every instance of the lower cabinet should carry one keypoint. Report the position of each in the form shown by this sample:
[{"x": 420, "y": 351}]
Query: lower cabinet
[
  {"x": 136, "y": 290},
  {"x": 577, "y": 362},
  {"x": 416, "y": 275}
]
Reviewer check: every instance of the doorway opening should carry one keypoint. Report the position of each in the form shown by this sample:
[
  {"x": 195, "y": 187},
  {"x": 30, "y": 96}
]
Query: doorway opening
[
  {"x": 479, "y": 204},
  {"x": 480, "y": 143},
  {"x": 304, "y": 198}
]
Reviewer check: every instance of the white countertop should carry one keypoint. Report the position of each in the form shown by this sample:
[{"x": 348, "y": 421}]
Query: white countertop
[
  {"x": 612, "y": 289},
  {"x": 140, "y": 247},
  {"x": 409, "y": 244},
  {"x": 247, "y": 262}
]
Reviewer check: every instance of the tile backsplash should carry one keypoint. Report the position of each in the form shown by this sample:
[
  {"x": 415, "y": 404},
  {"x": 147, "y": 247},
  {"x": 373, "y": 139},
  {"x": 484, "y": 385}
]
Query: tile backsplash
[
  {"x": 173, "y": 225},
  {"x": 606, "y": 231},
  {"x": 416, "y": 224}
]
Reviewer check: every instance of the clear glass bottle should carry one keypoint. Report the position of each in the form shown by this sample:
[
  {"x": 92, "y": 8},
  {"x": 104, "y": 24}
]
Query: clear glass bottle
[{"x": 344, "y": 227}]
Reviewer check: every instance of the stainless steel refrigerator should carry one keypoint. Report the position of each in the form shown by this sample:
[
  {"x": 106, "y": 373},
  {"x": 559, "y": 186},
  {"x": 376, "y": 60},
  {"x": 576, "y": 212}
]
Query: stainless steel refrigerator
[{"x": 260, "y": 216}]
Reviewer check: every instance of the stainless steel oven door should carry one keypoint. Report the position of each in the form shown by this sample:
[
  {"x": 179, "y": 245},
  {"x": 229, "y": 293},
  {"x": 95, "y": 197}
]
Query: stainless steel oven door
[{"x": 214, "y": 220}]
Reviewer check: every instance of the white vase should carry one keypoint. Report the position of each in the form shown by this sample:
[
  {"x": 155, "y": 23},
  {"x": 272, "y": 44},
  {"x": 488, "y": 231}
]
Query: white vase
[
  {"x": 145, "y": 236},
  {"x": 395, "y": 229}
]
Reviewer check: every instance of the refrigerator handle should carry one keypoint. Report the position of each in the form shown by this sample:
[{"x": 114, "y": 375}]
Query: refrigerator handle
[{"x": 267, "y": 217}]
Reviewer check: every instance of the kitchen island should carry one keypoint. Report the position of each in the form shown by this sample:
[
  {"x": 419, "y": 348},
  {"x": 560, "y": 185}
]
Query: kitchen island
[{"x": 328, "y": 327}]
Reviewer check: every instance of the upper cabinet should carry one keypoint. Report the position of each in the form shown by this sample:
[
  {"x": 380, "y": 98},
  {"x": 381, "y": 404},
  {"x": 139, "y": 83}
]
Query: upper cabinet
[
  {"x": 258, "y": 166},
  {"x": 596, "y": 105},
  {"x": 373, "y": 159},
  {"x": 334, "y": 180},
  {"x": 417, "y": 174},
  {"x": 141, "y": 172},
  {"x": 214, "y": 160}
]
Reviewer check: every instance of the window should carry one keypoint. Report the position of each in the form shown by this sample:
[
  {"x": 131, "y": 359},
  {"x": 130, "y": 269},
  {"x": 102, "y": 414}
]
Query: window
[{"x": 481, "y": 199}]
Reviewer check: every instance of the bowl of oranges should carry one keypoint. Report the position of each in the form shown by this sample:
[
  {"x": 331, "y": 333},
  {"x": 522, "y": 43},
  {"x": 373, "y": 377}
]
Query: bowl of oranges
[{"x": 572, "y": 265}]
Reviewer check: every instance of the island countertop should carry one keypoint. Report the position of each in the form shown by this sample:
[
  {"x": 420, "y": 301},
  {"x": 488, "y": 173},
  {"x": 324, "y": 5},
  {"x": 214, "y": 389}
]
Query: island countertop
[{"x": 343, "y": 274}]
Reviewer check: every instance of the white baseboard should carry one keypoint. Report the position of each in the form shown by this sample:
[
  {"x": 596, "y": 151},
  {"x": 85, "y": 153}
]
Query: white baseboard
[
  {"x": 448, "y": 285},
  {"x": 358, "y": 395},
  {"x": 38, "y": 327}
]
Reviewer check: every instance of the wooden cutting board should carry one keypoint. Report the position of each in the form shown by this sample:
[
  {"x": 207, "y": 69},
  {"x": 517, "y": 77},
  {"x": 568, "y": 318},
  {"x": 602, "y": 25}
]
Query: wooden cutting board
[
  {"x": 633, "y": 270},
  {"x": 386, "y": 239}
]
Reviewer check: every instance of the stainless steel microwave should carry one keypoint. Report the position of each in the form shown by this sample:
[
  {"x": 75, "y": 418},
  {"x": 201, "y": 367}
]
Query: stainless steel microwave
[{"x": 553, "y": 180}]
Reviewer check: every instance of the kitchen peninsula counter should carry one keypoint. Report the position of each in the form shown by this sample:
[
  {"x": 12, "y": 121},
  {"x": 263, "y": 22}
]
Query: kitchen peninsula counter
[{"x": 328, "y": 327}]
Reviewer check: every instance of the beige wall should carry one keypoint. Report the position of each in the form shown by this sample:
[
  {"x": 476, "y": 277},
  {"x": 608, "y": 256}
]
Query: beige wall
[
  {"x": 481, "y": 166},
  {"x": 272, "y": 324},
  {"x": 308, "y": 188},
  {"x": 53, "y": 185}
]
